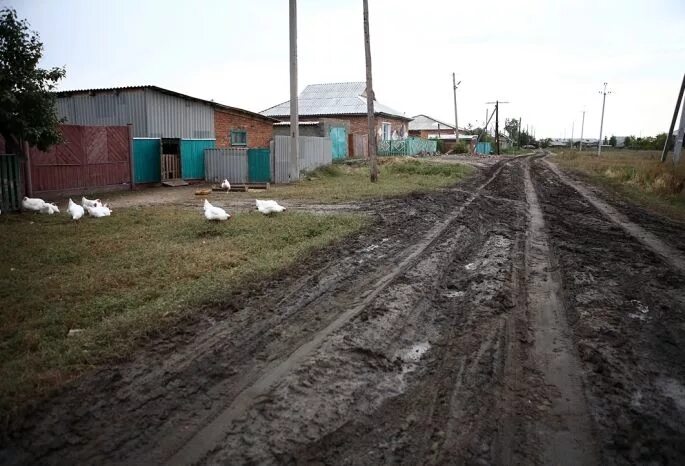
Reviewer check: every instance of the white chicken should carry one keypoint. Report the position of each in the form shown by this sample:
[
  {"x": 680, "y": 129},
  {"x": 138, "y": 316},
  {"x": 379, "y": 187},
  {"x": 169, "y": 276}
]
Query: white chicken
[
  {"x": 90, "y": 203},
  {"x": 75, "y": 210},
  {"x": 215, "y": 213},
  {"x": 32, "y": 203},
  {"x": 99, "y": 211},
  {"x": 226, "y": 185},
  {"x": 49, "y": 208},
  {"x": 268, "y": 207}
]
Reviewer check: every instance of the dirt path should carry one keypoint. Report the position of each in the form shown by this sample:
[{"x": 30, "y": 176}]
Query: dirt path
[{"x": 504, "y": 321}]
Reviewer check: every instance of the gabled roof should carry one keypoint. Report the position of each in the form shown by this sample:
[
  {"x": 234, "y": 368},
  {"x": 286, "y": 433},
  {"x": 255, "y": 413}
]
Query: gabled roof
[
  {"x": 161, "y": 90},
  {"x": 332, "y": 99},
  {"x": 426, "y": 123}
]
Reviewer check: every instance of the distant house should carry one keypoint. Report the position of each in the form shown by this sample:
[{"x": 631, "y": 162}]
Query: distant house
[
  {"x": 170, "y": 129},
  {"x": 423, "y": 126},
  {"x": 346, "y": 102}
]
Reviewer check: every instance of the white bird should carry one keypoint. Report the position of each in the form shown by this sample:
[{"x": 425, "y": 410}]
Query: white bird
[
  {"x": 226, "y": 185},
  {"x": 49, "y": 208},
  {"x": 99, "y": 211},
  {"x": 75, "y": 210},
  {"x": 268, "y": 207},
  {"x": 32, "y": 203},
  {"x": 215, "y": 213},
  {"x": 90, "y": 203}
]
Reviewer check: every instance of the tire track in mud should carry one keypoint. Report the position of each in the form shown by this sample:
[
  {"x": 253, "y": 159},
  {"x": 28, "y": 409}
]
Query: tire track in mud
[
  {"x": 172, "y": 391},
  {"x": 205, "y": 440},
  {"x": 626, "y": 307},
  {"x": 566, "y": 431}
]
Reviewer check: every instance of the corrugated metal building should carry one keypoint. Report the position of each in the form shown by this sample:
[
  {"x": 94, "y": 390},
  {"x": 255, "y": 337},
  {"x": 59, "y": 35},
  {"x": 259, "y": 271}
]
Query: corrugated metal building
[
  {"x": 153, "y": 111},
  {"x": 170, "y": 129}
]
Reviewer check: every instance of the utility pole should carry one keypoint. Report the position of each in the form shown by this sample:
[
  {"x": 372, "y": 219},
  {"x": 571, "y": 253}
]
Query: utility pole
[
  {"x": 601, "y": 124},
  {"x": 675, "y": 117},
  {"x": 582, "y": 126},
  {"x": 497, "y": 102},
  {"x": 370, "y": 97},
  {"x": 294, "y": 172},
  {"x": 486, "y": 120},
  {"x": 456, "y": 117},
  {"x": 573, "y": 127},
  {"x": 519, "y": 132}
]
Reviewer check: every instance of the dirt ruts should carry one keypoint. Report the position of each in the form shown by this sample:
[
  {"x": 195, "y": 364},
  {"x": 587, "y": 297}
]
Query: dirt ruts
[{"x": 504, "y": 321}]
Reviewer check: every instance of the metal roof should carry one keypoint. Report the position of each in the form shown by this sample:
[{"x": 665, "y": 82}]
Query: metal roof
[
  {"x": 332, "y": 99},
  {"x": 300, "y": 123},
  {"x": 424, "y": 122},
  {"x": 163, "y": 91}
]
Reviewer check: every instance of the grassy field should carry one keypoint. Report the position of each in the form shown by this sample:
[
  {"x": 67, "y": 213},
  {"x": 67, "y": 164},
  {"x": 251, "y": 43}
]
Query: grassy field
[
  {"x": 121, "y": 279},
  {"x": 638, "y": 175}
]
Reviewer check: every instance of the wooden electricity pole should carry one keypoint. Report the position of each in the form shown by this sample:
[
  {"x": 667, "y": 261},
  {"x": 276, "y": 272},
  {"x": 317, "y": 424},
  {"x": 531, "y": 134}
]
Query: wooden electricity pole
[
  {"x": 294, "y": 172},
  {"x": 497, "y": 102},
  {"x": 455, "y": 84},
  {"x": 675, "y": 117},
  {"x": 370, "y": 97}
]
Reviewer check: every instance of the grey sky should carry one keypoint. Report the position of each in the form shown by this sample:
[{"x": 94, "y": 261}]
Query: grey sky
[{"x": 549, "y": 58}]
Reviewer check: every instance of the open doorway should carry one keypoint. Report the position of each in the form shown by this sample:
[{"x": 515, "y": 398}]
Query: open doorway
[{"x": 171, "y": 159}]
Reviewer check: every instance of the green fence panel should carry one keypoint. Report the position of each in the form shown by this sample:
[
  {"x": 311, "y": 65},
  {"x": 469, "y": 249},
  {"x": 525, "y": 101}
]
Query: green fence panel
[
  {"x": 258, "y": 165},
  {"x": 11, "y": 189},
  {"x": 339, "y": 142},
  {"x": 193, "y": 157},
  {"x": 146, "y": 161}
]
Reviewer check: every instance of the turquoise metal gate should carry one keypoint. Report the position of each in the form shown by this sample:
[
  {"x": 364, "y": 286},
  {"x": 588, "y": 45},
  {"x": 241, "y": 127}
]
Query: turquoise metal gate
[{"x": 258, "y": 165}]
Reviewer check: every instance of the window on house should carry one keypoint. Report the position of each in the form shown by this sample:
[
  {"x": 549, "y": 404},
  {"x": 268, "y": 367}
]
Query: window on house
[
  {"x": 238, "y": 137},
  {"x": 387, "y": 132}
]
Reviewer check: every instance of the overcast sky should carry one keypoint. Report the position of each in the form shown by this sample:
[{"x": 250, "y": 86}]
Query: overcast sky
[{"x": 548, "y": 58}]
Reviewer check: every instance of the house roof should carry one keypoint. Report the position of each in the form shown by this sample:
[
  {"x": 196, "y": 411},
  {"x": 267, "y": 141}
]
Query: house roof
[
  {"x": 426, "y": 123},
  {"x": 161, "y": 90},
  {"x": 332, "y": 99}
]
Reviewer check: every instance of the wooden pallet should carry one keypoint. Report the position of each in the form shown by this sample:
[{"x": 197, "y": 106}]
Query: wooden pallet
[
  {"x": 175, "y": 182},
  {"x": 242, "y": 187}
]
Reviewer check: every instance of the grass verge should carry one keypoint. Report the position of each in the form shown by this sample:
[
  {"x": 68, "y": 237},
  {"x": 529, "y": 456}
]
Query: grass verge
[
  {"x": 125, "y": 277},
  {"x": 637, "y": 175},
  {"x": 350, "y": 182}
]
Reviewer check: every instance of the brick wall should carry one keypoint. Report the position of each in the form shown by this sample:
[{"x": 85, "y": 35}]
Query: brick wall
[{"x": 259, "y": 131}]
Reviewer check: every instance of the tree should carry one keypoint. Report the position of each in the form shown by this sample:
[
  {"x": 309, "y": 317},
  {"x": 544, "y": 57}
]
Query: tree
[
  {"x": 612, "y": 140},
  {"x": 27, "y": 105},
  {"x": 628, "y": 142},
  {"x": 511, "y": 126},
  {"x": 606, "y": 141}
]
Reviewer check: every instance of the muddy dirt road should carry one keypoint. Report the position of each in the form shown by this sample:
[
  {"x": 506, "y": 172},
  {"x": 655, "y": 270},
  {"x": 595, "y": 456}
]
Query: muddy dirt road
[{"x": 517, "y": 318}]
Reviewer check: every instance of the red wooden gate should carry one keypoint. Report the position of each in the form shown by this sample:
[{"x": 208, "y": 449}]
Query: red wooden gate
[{"x": 91, "y": 158}]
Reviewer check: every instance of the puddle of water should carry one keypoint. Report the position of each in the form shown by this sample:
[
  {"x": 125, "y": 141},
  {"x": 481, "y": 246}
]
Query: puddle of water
[
  {"x": 370, "y": 248},
  {"x": 471, "y": 266},
  {"x": 643, "y": 311},
  {"x": 453, "y": 294},
  {"x": 415, "y": 353}
]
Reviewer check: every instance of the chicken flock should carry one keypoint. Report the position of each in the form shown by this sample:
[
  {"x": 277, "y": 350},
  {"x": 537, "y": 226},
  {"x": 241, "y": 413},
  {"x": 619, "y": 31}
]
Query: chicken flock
[{"x": 95, "y": 208}]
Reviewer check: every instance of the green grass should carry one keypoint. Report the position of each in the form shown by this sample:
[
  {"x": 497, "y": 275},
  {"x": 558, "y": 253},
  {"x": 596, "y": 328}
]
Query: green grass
[
  {"x": 350, "y": 182},
  {"x": 126, "y": 277},
  {"x": 638, "y": 175}
]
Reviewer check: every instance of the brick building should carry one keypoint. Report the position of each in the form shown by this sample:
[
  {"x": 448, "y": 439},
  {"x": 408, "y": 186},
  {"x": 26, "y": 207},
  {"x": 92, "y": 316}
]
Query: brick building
[
  {"x": 235, "y": 127},
  {"x": 344, "y": 101}
]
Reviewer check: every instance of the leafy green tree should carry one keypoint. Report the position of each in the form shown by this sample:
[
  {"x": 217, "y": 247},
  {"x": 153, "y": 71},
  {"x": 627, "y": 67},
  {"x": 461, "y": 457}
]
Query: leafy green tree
[
  {"x": 511, "y": 126},
  {"x": 612, "y": 140},
  {"x": 27, "y": 105},
  {"x": 628, "y": 142},
  {"x": 606, "y": 141}
]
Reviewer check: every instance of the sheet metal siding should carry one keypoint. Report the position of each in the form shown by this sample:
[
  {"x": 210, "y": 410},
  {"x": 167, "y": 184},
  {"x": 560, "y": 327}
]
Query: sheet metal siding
[
  {"x": 193, "y": 157},
  {"x": 314, "y": 152},
  {"x": 174, "y": 117},
  {"x": 230, "y": 164},
  {"x": 106, "y": 109}
]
